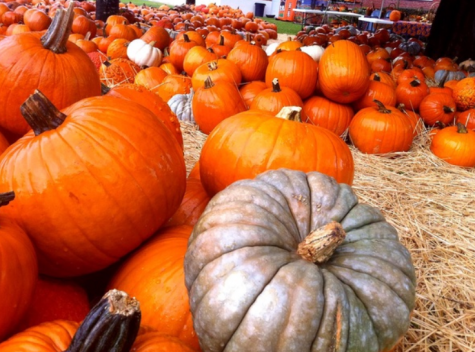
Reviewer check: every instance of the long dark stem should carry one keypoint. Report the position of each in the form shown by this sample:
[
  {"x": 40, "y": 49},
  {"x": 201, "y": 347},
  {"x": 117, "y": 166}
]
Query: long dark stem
[
  {"x": 6, "y": 198},
  {"x": 41, "y": 114},
  {"x": 57, "y": 35}
]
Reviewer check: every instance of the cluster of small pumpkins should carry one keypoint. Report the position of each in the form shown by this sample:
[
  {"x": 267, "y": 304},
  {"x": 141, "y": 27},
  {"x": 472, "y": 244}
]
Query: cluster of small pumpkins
[{"x": 94, "y": 188}]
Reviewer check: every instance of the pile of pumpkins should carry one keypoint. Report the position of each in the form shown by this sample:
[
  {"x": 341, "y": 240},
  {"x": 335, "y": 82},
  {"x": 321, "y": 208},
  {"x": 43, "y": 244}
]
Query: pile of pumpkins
[{"x": 95, "y": 195}]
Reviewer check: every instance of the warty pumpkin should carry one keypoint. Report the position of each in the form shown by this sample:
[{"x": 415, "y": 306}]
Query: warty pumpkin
[
  {"x": 320, "y": 111},
  {"x": 291, "y": 261},
  {"x": 118, "y": 71},
  {"x": 381, "y": 130},
  {"x": 343, "y": 72},
  {"x": 455, "y": 145},
  {"x": 73, "y": 198},
  {"x": 273, "y": 99},
  {"x": 154, "y": 275},
  {"x": 243, "y": 141},
  {"x": 35, "y": 61},
  {"x": 464, "y": 94},
  {"x": 215, "y": 102},
  {"x": 295, "y": 70},
  {"x": 112, "y": 325},
  {"x": 19, "y": 271}
]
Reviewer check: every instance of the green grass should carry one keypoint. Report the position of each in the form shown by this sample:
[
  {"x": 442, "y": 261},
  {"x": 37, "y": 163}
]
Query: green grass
[
  {"x": 284, "y": 26},
  {"x": 146, "y": 2}
]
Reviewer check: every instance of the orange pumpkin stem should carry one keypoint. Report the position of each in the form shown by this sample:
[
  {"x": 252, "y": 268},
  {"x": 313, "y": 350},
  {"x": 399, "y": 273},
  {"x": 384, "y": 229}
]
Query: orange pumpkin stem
[
  {"x": 57, "y": 35},
  {"x": 40, "y": 113},
  {"x": 320, "y": 244},
  {"x": 6, "y": 198},
  {"x": 381, "y": 107},
  {"x": 113, "y": 323}
]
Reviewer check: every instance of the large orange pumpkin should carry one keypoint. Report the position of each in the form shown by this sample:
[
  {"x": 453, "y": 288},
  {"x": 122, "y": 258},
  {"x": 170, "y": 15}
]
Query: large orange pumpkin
[
  {"x": 154, "y": 275},
  {"x": 18, "y": 269},
  {"x": 251, "y": 59},
  {"x": 91, "y": 183},
  {"x": 455, "y": 144},
  {"x": 344, "y": 72},
  {"x": 294, "y": 69},
  {"x": 31, "y": 61},
  {"x": 243, "y": 142}
]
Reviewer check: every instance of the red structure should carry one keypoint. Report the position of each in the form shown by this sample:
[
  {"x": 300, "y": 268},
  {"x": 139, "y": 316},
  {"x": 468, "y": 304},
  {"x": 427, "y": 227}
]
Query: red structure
[{"x": 285, "y": 10}]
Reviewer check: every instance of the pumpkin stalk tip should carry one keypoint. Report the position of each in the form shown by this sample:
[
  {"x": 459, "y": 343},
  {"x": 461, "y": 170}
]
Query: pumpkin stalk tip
[
  {"x": 320, "y": 244},
  {"x": 276, "y": 85},
  {"x": 291, "y": 113},
  {"x": 381, "y": 107},
  {"x": 57, "y": 35},
  {"x": 461, "y": 128},
  {"x": 6, "y": 197},
  {"x": 41, "y": 114},
  {"x": 209, "y": 83}
]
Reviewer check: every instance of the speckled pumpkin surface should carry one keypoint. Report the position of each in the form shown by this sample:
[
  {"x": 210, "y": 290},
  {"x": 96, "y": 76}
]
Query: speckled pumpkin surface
[{"x": 251, "y": 291}]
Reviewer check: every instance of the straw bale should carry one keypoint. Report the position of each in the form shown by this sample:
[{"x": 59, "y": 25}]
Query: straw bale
[{"x": 432, "y": 205}]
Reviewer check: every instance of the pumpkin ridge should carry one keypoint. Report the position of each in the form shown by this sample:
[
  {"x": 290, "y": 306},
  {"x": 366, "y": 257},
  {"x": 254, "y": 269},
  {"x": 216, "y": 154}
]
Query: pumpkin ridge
[
  {"x": 120, "y": 165},
  {"x": 257, "y": 295},
  {"x": 373, "y": 277}
]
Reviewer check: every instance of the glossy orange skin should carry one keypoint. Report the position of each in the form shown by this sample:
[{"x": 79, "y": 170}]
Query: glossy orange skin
[
  {"x": 19, "y": 272},
  {"x": 169, "y": 68},
  {"x": 3, "y": 144},
  {"x": 151, "y": 101},
  {"x": 374, "y": 132},
  {"x": 295, "y": 70},
  {"x": 104, "y": 181},
  {"x": 36, "y": 20},
  {"x": 320, "y": 111},
  {"x": 159, "y": 342},
  {"x": 416, "y": 122},
  {"x": 25, "y": 66},
  {"x": 464, "y": 94},
  {"x": 193, "y": 204},
  {"x": 383, "y": 77},
  {"x": 47, "y": 337},
  {"x": 343, "y": 72},
  {"x": 150, "y": 78},
  {"x": 158, "y": 35},
  {"x": 178, "y": 52},
  {"x": 410, "y": 74},
  {"x": 379, "y": 91},
  {"x": 154, "y": 275},
  {"x": 118, "y": 49},
  {"x": 254, "y": 142},
  {"x": 411, "y": 96},
  {"x": 172, "y": 85},
  {"x": 251, "y": 59},
  {"x": 226, "y": 71},
  {"x": 250, "y": 90},
  {"x": 455, "y": 148},
  {"x": 273, "y": 102},
  {"x": 467, "y": 118},
  {"x": 432, "y": 109},
  {"x": 195, "y": 57},
  {"x": 213, "y": 105}
]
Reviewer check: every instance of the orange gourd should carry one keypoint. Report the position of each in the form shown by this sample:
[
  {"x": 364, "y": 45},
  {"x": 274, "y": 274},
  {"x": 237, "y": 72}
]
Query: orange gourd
[
  {"x": 376, "y": 91},
  {"x": 251, "y": 59},
  {"x": 467, "y": 118},
  {"x": 273, "y": 99},
  {"x": 250, "y": 90},
  {"x": 437, "y": 107},
  {"x": 464, "y": 93},
  {"x": 454, "y": 144}
]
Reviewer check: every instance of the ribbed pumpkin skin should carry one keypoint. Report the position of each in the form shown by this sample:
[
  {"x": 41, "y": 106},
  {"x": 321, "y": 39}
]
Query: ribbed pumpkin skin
[
  {"x": 271, "y": 101},
  {"x": 193, "y": 204},
  {"x": 93, "y": 189},
  {"x": 374, "y": 132},
  {"x": 151, "y": 101},
  {"x": 252, "y": 61},
  {"x": 25, "y": 66},
  {"x": 433, "y": 108},
  {"x": 154, "y": 275},
  {"x": 250, "y": 90},
  {"x": 320, "y": 111},
  {"x": 295, "y": 70},
  {"x": 343, "y": 72},
  {"x": 250, "y": 291},
  {"x": 226, "y": 71},
  {"x": 467, "y": 118},
  {"x": 159, "y": 342},
  {"x": 379, "y": 91},
  {"x": 243, "y": 141},
  {"x": 19, "y": 272},
  {"x": 47, "y": 337}
]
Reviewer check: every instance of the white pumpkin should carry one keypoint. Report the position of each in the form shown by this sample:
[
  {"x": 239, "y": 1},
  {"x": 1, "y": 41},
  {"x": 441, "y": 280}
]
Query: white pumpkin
[
  {"x": 271, "y": 48},
  {"x": 180, "y": 104},
  {"x": 315, "y": 51},
  {"x": 143, "y": 53}
]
